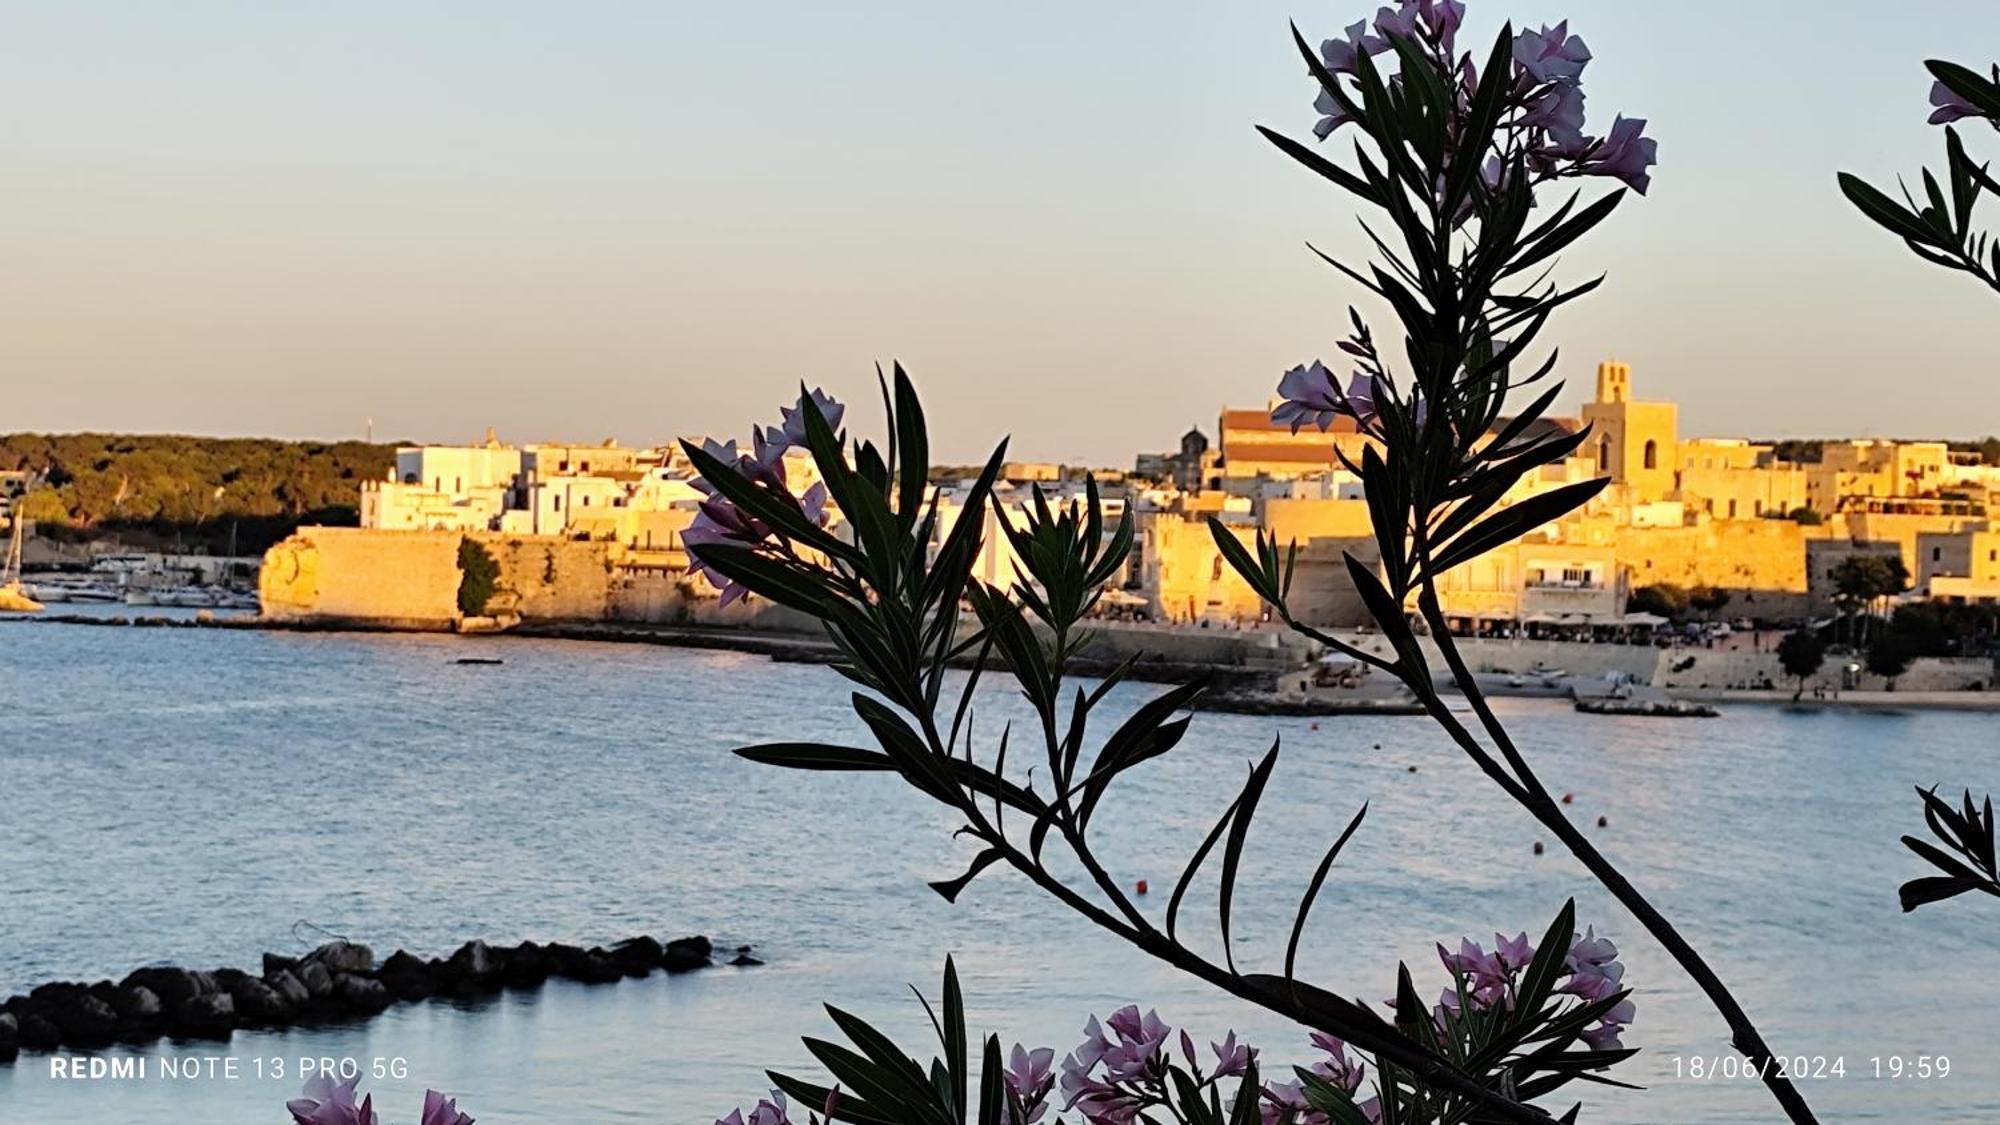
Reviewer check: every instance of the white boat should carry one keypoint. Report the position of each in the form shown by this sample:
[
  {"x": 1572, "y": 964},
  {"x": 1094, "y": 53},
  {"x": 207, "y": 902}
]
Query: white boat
[
  {"x": 47, "y": 592},
  {"x": 141, "y": 597},
  {"x": 93, "y": 595}
]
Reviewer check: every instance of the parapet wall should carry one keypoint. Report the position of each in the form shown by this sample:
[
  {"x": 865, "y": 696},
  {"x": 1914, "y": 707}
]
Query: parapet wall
[
  {"x": 395, "y": 579},
  {"x": 410, "y": 579}
]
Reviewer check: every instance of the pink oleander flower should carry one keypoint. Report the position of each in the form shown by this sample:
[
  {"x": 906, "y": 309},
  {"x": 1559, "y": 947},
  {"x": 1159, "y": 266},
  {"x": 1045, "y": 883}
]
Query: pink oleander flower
[
  {"x": 1232, "y": 1059},
  {"x": 770, "y": 1111},
  {"x": 1332, "y": 115},
  {"x": 1137, "y": 1053},
  {"x": 1558, "y": 111},
  {"x": 1031, "y": 1076},
  {"x": 793, "y": 429},
  {"x": 1950, "y": 107},
  {"x": 440, "y": 1110},
  {"x": 1311, "y": 397},
  {"x": 1551, "y": 54},
  {"x": 1339, "y": 1068},
  {"x": 326, "y": 1102},
  {"x": 719, "y": 520},
  {"x": 1339, "y": 54},
  {"x": 1399, "y": 22},
  {"x": 1625, "y": 154}
]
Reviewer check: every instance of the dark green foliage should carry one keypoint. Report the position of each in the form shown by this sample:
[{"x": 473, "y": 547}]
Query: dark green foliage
[
  {"x": 1801, "y": 652},
  {"x": 1805, "y": 517},
  {"x": 889, "y": 595},
  {"x": 1965, "y": 862},
  {"x": 1937, "y": 225},
  {"x": 1708, "y": 599},
  {"x": 1869, "y": 578},
  {"x": 1934, "y": 628},
  {"x": 880, "y": 1085},
  {"x": 1889, "y": 655},
  {"x": 1663, "y": 598},
  {"x": 477, "y": 575},
  {"x": 198, "y": 489},
  {"x": 1531, "y": 1045},
  {"x": 1798, "y": 451},
  {"x": 1464, "y": 268}
]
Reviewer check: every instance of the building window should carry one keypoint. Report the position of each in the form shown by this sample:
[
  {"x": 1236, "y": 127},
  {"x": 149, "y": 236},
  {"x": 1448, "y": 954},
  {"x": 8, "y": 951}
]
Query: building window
[
  {"x": 1732, "y": 503},
  {"x": 1652, "y": 454},
  {"x": 1604, "y": 455}
]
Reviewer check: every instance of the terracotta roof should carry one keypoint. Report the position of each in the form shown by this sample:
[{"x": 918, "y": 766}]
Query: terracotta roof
[
  {"x": 1241, "y": 451},
  {"x": 1261, "y": 420}
]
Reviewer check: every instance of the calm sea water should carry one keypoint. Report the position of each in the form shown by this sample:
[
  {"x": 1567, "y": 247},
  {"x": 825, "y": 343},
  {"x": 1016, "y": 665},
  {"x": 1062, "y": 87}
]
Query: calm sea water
[{"x": 200, "y": 796}]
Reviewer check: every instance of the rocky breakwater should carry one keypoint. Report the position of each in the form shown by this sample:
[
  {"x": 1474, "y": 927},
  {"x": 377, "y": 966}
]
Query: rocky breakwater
[{"x": 339, "y": 981}]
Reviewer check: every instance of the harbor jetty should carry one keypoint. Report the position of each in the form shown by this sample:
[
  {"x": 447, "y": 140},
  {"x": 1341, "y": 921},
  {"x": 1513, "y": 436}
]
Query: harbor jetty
[{"x": 338, "y": 981}]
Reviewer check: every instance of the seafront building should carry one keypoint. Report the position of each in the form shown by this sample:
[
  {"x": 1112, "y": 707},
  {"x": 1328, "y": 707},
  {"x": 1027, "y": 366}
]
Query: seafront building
[
  {"x": 595, "y": 530},
  {"x": 1726, "y": 513}
]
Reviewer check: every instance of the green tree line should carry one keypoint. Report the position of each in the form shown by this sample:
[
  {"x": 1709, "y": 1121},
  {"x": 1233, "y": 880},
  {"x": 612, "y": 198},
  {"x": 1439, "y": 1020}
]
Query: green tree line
[{"x": 201, "y": 492}]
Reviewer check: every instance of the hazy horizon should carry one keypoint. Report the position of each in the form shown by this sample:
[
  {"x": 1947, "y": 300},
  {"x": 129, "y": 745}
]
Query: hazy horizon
[{"x": 641, "y": 220}]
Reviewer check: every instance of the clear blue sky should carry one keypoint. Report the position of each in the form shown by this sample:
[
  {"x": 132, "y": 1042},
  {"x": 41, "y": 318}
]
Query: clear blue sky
[{"x": 589, "y": 219}]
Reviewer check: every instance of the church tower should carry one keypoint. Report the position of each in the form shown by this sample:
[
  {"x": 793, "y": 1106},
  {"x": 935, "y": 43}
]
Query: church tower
[{"x": 1636, "y": 444}]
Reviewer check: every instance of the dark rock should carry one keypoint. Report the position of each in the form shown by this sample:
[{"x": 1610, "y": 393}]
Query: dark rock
[
  {"x": 38, "y": 1034},
  {"x": 55, "y": 994},
  {"x": 173, "y": 986},
  {"x": 317, "y": 981},
  {"x": 287, "y": 985},
  {"x": 407, "y": 976},
  {"x": 276, "y": 961},
  {"x": 137, "y": 1004},
  {"x": 631, "y": 961},
  {"x": 85, "y": 1021},
  {"x": 473, "y": 963},
  {"x": 10, "y": 1036},
  {"x": 588, "y": 966},
  {"x": 257, "y": 1002},
  {"x": 211, "y": 1015},
  {"x": 641, "y": 953},
  {"x": 684, "y": 954},
  {"x": 527, "y": 965},
  {"x": 744, "y": 959},
  {"x": 360, "y": 993},
  {"x": 344, "y": 957}
]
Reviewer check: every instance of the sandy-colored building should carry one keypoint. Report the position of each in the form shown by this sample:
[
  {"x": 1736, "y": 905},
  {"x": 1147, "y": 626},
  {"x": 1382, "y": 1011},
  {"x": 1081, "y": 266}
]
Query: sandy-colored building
[
  {"x": 1635, "y": 443},
  {"x": 1251, "y": 445},
  {"x": 1960, "y": 566}
]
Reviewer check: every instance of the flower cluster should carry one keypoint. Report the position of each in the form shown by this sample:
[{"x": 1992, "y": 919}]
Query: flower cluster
[
  {"x": 1544, "y": 104},
  {"x": 720, "y": 521},
  {"x": 1591, "y": 972},
  {"x": 326, "y": 1102}
]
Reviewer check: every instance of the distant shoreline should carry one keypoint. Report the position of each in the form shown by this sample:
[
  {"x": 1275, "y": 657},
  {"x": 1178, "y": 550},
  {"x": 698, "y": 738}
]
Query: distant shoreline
[
  {"x": 1850, "y": 700},
  {"x": 1235, "y": 689}
]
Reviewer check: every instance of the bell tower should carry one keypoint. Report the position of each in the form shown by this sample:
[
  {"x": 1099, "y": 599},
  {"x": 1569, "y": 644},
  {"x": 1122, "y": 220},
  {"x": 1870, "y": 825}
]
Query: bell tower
[
  {"x": 1635, "y": 443},
  {"x": 1614, "y": 381}
]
